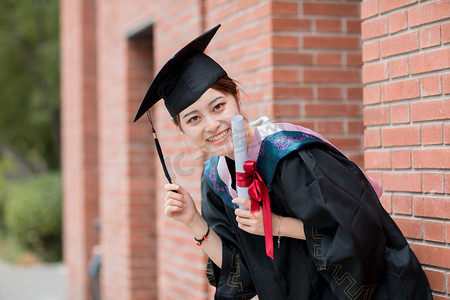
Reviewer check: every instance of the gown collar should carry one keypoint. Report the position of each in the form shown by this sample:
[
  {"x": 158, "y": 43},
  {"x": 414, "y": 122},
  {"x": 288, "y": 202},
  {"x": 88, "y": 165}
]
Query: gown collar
[
  {"x": 264, "y": 129},
  {"x": 253, "y": 151}
]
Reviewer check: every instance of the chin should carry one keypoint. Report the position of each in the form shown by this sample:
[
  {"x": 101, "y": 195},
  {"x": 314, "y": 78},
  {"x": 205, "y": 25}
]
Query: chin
[
  {"x": 224, "y": 153},
  {"x": 225, "y": 149}
]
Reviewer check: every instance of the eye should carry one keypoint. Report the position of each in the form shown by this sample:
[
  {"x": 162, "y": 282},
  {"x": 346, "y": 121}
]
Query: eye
[
  {"x": 218, "y": 106},
  {"x": 193, "y": 119}
]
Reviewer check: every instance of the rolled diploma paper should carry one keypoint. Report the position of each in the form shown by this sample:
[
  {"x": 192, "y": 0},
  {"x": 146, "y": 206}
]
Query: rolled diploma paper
[{"x": 240, "y": 152}]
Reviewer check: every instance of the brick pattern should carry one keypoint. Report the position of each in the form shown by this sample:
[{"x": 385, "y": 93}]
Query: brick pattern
[
  {"x": 146, "y": 254},
  {"x": 127, "y": 196},
  {"x": 333, "y": 75},
  {"x": 79, "y": 141},
  {"x": 406, "y": 86},
  {"x": 296, "y": 61}
]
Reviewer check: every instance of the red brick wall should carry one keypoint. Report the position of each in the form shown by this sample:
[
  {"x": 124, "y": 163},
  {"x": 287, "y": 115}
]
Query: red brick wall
[
  {"x": 297, "y": 61},
  {"x": 407, "y": 107},
  {"x": 146, "y": 255},
  {"x": 181, "y": 264},
  {"x": 79, "y": 140},
  {"x": 127, "y": 194}
]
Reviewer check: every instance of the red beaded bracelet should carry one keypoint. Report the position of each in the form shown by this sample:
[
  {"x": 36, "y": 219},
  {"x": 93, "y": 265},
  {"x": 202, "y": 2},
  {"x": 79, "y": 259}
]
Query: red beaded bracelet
[{"x": 205, "y": 237}]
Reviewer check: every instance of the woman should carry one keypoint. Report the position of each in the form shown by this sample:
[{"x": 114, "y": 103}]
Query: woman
[{"x": 333, "y": 239}]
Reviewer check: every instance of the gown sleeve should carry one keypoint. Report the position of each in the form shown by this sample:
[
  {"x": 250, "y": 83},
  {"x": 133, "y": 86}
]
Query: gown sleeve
[
  {"x": 341, "y": 216},
  {"x": 232, "y": 280}
]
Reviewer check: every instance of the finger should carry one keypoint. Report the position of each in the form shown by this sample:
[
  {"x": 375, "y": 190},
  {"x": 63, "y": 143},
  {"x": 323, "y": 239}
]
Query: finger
[
  {"x": 175, "y": 203},
  {"x": 171, "y": 187},
  {"x": 245, "y": 221},
  {"x": 243, "y": 226},
  {"x": 179, "y": 189},
  {"x": 171, "y": 210},
  {"x": 246, "y": 228},
  {"x": 242, "y": 201},
  {"x": 173, "y": 195},
  {"x": 242, "y": 213}
]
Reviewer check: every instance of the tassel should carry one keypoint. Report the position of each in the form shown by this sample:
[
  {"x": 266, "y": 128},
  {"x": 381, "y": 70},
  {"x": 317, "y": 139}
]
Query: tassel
[{"x": 158, "y": 148}]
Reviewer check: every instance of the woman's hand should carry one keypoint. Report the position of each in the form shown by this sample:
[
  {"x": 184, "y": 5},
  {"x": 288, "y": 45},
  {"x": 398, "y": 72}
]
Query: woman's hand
[
  {"x": 179, "y": 205},
  {"x": 250, "y": 222},
  {"x": 253, "y": 222}
]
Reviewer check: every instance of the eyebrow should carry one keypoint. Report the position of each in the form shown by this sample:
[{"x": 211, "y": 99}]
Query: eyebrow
[{"x": 209, "y": 104}]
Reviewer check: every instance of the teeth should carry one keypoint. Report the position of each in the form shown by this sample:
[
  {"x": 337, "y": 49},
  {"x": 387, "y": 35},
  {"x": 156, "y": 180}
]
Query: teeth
[{"x": 218, "y": 137}]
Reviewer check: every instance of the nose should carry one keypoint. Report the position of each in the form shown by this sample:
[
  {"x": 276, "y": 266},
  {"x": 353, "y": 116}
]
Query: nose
[{"x": 212, "y": 124}]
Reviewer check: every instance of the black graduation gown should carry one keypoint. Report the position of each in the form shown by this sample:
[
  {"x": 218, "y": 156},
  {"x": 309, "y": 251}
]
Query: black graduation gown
[{"x": 353, "y": 249}]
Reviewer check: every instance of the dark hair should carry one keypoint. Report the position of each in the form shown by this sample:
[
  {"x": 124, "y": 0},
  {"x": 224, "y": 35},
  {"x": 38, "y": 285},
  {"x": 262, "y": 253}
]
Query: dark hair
[{"x": 225, "y": 85}]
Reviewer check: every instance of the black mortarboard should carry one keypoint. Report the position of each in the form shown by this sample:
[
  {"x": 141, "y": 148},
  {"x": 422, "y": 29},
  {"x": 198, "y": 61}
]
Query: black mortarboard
[
  {"x": 181, "y": 81},
  {"x": 184, "y": 78}
]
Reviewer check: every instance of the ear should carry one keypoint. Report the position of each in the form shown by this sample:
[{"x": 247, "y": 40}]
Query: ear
[{"x": 238, "y": 97}]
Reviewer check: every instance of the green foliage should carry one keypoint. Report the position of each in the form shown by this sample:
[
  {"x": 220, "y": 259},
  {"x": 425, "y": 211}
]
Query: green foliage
[
  {"x": 33, "y": 215},
  {"x": 6, "y": 166},
  {"x": 12, "y": 251},
  {"x": 29, "y": 77},
  {"x": 2, "y": 204}
]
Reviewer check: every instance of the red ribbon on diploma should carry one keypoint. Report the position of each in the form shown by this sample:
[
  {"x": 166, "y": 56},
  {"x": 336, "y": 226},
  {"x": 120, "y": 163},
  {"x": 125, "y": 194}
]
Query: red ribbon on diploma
[{"x": 257, "y": 190}]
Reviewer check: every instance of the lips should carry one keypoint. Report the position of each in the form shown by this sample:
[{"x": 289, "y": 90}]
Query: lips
[{"x": 218, "y": 137}]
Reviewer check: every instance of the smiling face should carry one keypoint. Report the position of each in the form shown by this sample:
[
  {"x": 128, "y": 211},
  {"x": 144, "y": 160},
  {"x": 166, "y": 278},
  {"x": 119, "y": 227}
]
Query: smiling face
[{"x": 207, "y": 122}]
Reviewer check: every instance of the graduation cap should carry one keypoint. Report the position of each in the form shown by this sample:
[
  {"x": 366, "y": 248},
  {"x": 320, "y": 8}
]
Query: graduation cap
[{"x": 181, "y": 81}]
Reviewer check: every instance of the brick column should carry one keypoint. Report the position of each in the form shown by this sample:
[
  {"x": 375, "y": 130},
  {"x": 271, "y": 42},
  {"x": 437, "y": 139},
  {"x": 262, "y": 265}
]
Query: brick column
[
  {"x": 126, "y": 159},
  {"x": 146, "y": 256},
  {"x": 181, "y": 264},
  {"x": 406, "y": 75},
  {"x": 298, "y": 61},
  {"x": 79, "y": 141}
]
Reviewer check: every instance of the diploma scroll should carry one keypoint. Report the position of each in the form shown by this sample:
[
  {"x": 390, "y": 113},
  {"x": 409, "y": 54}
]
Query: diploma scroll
[{"x": 240, "y": 151}]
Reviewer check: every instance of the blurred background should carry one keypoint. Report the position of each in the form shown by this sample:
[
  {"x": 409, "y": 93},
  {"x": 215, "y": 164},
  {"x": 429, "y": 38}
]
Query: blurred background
[
  {"x": 30, "y": 180},
  {"x": 30, "y": 188},
  {"x": 372, "y": 76}
]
